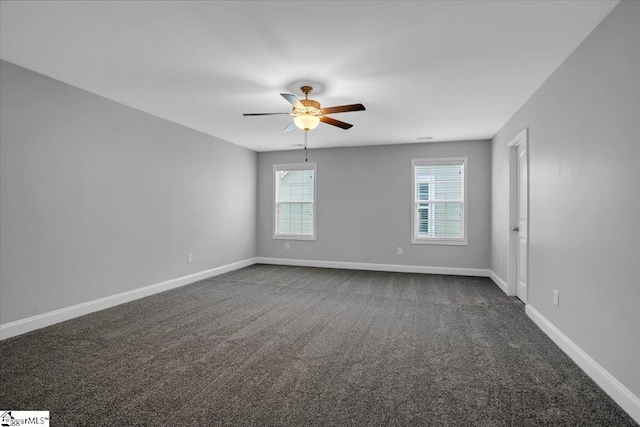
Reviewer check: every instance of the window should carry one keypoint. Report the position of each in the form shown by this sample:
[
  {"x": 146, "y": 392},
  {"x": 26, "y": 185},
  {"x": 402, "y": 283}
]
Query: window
[
  {"x": 438, "y": 206},
  {"x": 295, "y": 207}
]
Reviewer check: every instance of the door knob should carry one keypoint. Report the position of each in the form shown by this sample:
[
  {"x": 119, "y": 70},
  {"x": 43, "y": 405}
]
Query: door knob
[{"x": 515, "y": 229}]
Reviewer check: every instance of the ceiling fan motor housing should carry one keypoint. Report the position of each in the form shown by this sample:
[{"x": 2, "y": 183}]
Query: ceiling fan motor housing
[
  {"x": 312, "y": 107},
  {"x": 310, "y": 103}
]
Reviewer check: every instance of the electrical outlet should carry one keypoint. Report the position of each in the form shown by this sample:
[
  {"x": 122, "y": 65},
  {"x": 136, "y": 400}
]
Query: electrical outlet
[
  {"x": 399, "y": 251},
  {"x": 556, "y": 297},
  {"x": 190, "y": 258},
  {"x": 286, "y": 245}
]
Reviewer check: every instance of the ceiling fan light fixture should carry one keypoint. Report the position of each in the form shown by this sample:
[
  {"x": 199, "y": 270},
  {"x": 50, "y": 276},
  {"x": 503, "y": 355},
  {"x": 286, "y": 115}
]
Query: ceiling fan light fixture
[
  {"x": 306, "y": 121},
  {"x": 307, "y": 113}
]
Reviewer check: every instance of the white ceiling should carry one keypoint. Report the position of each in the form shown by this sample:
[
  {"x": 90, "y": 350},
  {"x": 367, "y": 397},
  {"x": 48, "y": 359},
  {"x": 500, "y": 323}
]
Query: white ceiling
[{"x": 449, "y": 70}]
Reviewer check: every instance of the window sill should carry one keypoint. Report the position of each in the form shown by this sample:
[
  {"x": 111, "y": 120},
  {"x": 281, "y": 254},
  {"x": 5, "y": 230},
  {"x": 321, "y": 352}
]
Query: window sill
[
  {"x": 293, "y": 237},
  {"x": 461, "y": 242}
]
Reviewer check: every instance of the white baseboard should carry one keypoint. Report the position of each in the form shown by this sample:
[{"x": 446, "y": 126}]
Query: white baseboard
[
  {"x": 29, "y": 324},
  {"x": 498, "y": 281},
  {"x": 398, "y": 268},
  {"x": 614, "y": 388}
]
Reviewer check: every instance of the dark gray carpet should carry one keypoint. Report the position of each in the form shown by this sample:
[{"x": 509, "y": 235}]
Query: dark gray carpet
[{"x": 270, "y": 345}]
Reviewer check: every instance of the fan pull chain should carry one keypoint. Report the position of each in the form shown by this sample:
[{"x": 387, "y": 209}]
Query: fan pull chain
[{"x": 305, "y": 146}]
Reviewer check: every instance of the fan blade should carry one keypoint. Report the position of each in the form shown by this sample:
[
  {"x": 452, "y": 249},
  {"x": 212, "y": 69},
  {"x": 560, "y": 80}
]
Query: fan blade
[
  {"x": 293, "y": 100},
  {"x": 264, "y": 114},
  {"x": 334, "y": 122},
  {"x": 343, "y": 109},
  {"x": 292, "y": 126}
]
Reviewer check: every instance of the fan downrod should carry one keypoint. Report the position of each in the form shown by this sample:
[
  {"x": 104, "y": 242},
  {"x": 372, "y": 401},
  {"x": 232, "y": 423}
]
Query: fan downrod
[
  {"x": 306, "y": 90},
  {"x": 309, "y": 103}
]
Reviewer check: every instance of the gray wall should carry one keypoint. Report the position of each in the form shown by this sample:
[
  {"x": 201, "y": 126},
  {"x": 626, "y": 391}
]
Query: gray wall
[
  {"x": 98, "y": 198},
  {"x": 584, "y": 235},
  {"x": 364, "y": 205}
]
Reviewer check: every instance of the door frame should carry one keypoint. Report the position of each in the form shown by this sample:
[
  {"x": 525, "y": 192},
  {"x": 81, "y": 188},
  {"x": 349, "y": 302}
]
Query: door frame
[{"x": 512, "y": 258}]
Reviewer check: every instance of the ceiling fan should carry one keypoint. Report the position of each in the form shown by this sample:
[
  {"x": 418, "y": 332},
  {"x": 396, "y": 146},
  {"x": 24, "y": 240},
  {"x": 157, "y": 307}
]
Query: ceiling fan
[{"x": 307, "y": 113}]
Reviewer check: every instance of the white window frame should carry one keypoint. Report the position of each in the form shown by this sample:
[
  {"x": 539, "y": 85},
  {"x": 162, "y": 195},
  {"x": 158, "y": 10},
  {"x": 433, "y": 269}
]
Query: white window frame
[
  {"x": 415, "y": 202},
  {"x": 293, "y": 167}
]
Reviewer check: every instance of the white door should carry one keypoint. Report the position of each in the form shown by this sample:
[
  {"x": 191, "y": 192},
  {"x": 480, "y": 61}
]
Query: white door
[{"x": 521, "y": 228}]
